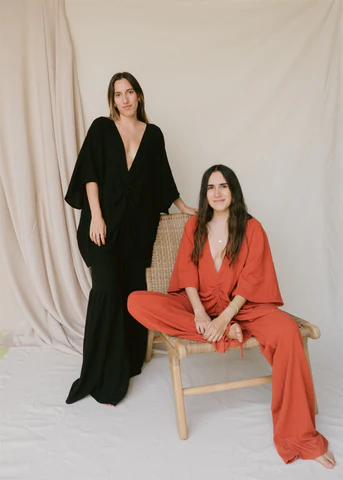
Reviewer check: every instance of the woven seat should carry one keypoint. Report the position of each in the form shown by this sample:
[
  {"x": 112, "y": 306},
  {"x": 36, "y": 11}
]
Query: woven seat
[
  {"x": 164, "y": 253},
  {"x": 185, "y": 347}
]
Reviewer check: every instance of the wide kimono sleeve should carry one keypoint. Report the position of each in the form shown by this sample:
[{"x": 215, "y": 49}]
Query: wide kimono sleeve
[
  {"x": 86, "y": 168},
  {"x": 185, "y": 273},
  {"x": 257, "y": 281},
  {"x": 166, "y": 189}
]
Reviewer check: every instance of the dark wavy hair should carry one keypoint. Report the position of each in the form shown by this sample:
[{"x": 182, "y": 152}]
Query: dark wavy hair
[
  {"x": 114, "y": 114},
  {"x": 238, "y": 215}
]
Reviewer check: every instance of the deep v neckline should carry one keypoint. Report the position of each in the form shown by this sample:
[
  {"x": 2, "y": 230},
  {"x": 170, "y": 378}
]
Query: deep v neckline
[
  {"x": 212, "y": 259},
  {"x": 123, "y": 146}
]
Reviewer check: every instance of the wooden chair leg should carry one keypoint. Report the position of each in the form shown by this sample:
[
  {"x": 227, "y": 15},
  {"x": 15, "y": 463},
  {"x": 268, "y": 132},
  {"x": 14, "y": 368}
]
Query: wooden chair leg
[
  {"x": 150, "y": 342},
  {"x": 305, "y": 343},
  {"x": 175, "y": 372}
]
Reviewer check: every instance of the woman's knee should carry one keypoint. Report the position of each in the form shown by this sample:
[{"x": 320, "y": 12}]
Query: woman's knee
[
  {"x": 289, "y": 327},
  {"x": 136, "y": 301}
]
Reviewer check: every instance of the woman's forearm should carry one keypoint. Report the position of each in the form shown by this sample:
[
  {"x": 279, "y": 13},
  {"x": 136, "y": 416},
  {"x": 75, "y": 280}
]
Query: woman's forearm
[
  {"x": 97, "y": 227},
  {"x": 201, "y": 317},
  {"x": 180, "y": 204},
  {"x": 92, "y": 190},
  {"x": 233, "y": 308},
  {"x": 194, "y": 298}
]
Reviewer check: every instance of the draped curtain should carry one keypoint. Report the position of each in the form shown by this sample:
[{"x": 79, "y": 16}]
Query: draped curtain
[
  {"x": 41, "y": 129},
  {"x": 254, "y": 84}
]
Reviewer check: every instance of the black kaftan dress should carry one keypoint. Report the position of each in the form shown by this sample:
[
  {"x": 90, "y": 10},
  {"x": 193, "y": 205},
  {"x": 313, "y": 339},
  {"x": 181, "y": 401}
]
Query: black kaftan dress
[{"x": 131, "y": 202}]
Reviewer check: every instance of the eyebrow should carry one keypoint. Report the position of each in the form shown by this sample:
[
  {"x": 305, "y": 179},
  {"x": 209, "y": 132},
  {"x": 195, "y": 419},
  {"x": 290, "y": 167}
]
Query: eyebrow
[
  {"x": 125, "y": 90},
  {"x": 212, "y": 184}
]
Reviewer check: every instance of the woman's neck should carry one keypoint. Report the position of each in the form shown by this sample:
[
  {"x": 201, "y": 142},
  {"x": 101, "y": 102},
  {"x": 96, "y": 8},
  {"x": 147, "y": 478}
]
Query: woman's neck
[
  {"x": 128, "y": 122},
  {"x": 220, "y": 217}
]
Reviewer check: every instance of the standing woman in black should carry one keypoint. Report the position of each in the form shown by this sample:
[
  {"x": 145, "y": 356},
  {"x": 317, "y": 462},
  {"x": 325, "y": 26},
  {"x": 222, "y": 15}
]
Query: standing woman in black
[{"x": 122, "y": 182}]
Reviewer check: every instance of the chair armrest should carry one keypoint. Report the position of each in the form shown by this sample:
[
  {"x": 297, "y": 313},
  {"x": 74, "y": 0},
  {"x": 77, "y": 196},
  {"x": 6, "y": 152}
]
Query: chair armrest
[{"x": 311, "y": 330}]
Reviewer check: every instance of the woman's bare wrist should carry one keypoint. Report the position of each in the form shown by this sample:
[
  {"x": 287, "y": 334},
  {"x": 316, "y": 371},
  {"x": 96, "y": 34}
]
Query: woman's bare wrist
[
  {"x": 228, "y": 314},
  {"x": 96, "y": 214},
  {"x": 199, "y": 310}
]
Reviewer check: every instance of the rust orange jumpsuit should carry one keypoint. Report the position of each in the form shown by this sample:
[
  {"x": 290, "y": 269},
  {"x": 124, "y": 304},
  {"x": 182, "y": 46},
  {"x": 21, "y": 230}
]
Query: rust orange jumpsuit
[{"x": 253, "y": 277}]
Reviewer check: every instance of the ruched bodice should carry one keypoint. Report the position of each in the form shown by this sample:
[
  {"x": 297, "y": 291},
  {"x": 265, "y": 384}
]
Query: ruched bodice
[{"x": 252, "y": 276}]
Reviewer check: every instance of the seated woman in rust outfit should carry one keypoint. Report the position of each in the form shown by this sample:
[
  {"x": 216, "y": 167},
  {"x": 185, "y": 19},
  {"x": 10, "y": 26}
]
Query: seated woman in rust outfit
[{"x": 224, "y": 290}]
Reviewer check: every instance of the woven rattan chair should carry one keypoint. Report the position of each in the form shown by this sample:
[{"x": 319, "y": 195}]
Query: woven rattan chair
[{"x": 166, "y": 245}]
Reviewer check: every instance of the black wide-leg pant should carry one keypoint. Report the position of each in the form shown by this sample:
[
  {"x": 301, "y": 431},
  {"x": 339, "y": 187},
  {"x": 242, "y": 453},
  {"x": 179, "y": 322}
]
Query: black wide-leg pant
[{"x": 114, "y": 342}]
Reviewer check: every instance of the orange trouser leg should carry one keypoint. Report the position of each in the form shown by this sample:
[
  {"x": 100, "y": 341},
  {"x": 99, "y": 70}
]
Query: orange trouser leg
[
  {"x": 295, "y": 435},
  {"x": 171, "y": 314}
]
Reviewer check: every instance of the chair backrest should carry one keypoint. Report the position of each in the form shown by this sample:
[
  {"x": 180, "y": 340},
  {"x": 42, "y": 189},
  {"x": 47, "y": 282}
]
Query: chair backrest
[{"x": 166, "y": 245}]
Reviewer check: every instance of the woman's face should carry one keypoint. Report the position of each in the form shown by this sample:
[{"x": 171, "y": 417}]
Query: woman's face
[
  {"x": 218, "y": 193},
  {"x": 125, "y": 98}
]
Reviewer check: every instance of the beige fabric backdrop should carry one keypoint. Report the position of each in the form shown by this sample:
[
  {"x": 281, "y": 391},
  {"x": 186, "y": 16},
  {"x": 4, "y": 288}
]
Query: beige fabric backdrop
[
  {"x": 255, "y": 85},
  {"x": 41, "y": 127}
]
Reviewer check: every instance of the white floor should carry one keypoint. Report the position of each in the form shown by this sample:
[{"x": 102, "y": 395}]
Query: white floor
[{"x": 230, "y": 433}]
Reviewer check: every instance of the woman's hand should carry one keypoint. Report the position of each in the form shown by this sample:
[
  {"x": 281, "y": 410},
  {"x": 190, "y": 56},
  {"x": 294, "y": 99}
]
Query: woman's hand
[
  {"x": 97, "y": 231},
  {"x": 180, "y": 204},
  {"x": 215, "y": 329},
  {"x": 201, "y": 320},
  {"x": 189, "y": 210}
]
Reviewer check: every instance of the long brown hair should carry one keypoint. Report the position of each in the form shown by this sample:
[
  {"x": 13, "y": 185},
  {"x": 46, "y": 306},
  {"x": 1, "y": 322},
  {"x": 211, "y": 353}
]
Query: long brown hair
[
  {"x": 114, "y": 114},
  {"x": 238, "y": 215}
]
